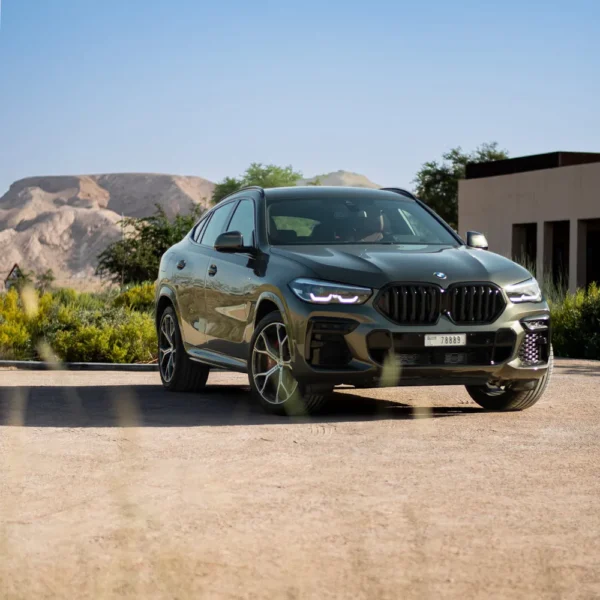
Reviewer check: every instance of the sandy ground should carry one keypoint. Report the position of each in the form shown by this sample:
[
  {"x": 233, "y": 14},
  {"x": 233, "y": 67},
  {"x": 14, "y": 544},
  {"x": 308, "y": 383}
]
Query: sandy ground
[{"x": 204, "y": 496}]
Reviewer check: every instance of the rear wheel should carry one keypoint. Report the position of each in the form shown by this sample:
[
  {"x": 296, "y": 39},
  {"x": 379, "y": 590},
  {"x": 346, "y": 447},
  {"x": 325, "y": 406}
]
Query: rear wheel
[
  {"x": 505, "y": 399},
  {"x": 177, "y": 372},
  {"x": 270, "y": 371}
]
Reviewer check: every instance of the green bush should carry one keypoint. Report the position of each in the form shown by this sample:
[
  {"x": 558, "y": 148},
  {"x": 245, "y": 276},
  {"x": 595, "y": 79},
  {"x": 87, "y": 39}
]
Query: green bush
[
  {"x": 576, "y": 324},
  {"x": 137, "y": 297},
  {"x": 78, "y": 326}
]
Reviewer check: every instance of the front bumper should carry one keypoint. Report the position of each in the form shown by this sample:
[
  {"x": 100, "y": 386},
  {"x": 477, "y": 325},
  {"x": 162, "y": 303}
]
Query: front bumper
[{"x": 357, "y": 345}]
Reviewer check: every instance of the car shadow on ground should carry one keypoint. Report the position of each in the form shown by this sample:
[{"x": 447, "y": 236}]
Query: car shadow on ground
[
  {"x": 152, "y": 406},
  {"x": 591, "y": 370}
]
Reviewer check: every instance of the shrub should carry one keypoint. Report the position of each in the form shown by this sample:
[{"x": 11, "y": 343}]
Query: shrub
[
  {"x": 137, "y": 297},
  {"x": 15, "y": 340},
  {"x": 79, "y": 326},
  {"x": 576, "y": 324}
]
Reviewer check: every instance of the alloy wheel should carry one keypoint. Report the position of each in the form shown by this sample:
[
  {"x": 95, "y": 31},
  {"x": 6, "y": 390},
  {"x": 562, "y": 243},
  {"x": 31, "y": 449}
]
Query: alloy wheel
[
  {"x": 271, "y": 365},
  {"x": 167, "y": 352}
]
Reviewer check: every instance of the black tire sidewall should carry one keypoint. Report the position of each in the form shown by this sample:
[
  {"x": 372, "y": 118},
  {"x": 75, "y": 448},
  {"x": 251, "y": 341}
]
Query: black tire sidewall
[
  {"x": 171, "y": 385},
  {"x": 512, "y": 400}
]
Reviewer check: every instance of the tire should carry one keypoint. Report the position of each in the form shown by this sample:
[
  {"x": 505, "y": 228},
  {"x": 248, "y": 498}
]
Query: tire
[
  {"x": 506, "y": 399},
  {"x": 178, "y": 372},
  {"x": 270, "y": 353}
]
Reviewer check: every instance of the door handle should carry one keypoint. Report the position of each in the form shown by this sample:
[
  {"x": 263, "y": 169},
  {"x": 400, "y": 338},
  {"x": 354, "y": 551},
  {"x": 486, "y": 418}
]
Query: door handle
[
  {"x": 212, "y": 270},
  {"x": 181, "y": 264}
]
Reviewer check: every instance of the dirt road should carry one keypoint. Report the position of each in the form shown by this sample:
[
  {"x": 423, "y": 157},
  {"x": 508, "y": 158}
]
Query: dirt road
[{"x": 397, "y": 493}]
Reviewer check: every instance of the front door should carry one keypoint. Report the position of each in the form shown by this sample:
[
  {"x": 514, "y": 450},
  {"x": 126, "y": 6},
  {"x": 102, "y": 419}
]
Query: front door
[
  {"x": 190, "y": 275},
  {"x": 231, "y": 285}
]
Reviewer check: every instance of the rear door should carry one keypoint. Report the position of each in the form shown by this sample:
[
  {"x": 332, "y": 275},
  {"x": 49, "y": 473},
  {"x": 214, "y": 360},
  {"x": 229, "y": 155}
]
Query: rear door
[
  {"x": 190, "y": 273},
  {"x": 231, "y": 287}
]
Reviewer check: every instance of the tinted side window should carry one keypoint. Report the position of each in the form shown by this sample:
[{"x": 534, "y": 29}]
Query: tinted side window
[
  {"x": 216, "y": 224},
  {"x": 243, "y": 221},
  {"x": 199, "y": 229}
]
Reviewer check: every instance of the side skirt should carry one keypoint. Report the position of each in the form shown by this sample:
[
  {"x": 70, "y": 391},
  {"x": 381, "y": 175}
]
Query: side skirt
[{"x": 214, "y": 359}]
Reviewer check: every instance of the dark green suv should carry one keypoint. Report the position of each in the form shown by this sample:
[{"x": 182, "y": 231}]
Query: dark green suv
[{"x": 307, "y": 288}]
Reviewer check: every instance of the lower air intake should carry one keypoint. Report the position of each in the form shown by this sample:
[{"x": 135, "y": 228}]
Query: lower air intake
[{"x": 534, "y": 350}]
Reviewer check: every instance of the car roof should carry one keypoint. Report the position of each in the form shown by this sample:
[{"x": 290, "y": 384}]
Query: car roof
[{"x": 315, "y": 191}]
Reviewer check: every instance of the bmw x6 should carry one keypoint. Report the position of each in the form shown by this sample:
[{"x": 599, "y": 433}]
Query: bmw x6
[{"x": 307, "y": 288}]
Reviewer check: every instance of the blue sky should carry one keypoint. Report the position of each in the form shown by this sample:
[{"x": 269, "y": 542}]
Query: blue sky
[{"x": 205, "y": 88}]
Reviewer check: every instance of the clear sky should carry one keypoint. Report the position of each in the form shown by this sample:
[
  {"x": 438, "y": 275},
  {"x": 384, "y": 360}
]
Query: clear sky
[{"x": 376, "y": 86}]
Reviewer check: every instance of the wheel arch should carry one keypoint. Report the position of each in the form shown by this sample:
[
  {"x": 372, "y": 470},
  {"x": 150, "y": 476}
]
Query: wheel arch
[
  {"x": 268, "y": 302},
  {"x": 165, "y": 298}
]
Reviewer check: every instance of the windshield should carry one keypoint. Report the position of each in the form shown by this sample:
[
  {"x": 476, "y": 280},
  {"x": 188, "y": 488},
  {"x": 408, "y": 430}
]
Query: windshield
[{"x": 353, "y": 221}]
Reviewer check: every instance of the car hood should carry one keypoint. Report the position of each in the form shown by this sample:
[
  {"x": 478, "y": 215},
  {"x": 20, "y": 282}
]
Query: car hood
[{"x": 376, "y": 265}]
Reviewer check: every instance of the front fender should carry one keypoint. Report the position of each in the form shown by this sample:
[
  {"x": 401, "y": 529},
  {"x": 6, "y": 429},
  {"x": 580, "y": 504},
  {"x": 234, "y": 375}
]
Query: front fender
[{"x": 269, "y": 296}]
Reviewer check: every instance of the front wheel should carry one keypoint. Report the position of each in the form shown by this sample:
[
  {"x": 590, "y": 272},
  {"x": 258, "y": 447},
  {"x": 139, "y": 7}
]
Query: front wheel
[
  {"x": 506, "y": 399},
  {"x": 270, "y": 371}
]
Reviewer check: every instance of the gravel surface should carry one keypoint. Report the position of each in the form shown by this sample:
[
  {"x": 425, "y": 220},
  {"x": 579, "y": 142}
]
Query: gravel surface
[{"x": 111, "y": 487}]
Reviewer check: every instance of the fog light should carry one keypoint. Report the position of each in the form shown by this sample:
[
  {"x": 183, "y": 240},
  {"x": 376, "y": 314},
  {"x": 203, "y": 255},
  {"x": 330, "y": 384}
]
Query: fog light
[{"x": 536, "y": 323}]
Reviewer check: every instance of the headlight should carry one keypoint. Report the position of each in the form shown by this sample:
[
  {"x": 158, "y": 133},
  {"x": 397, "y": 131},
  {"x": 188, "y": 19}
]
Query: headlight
[
  {"x": 526, "y": 291},
  {"x": 324, "y": 292}
]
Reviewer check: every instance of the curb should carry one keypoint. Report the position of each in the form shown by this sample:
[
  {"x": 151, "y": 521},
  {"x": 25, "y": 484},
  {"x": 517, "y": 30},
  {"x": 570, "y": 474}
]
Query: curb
[{"x": 33, "y": 365}]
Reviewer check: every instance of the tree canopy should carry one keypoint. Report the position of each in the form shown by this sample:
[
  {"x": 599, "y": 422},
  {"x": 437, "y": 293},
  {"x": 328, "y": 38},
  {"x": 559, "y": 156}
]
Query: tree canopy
[
  {"x": 266, "y": 176},
  {"x": 437, "y": 181},
  {"x": 136, "y": 257}
]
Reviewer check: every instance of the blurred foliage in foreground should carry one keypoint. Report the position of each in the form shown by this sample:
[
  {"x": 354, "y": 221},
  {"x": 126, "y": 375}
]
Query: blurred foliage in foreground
[
  {"x": 119, "y": 326},
  {"x": 108, "y": 327}
]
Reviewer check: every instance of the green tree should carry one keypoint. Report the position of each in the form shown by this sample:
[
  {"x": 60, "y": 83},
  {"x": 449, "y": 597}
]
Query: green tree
[
  {"x": 266, "y": 176},
  {"x": 135, "y": 258},
  {"x": 437, "y": 181},
  {"x": 44, "y": 281},
  {"x": 229, "y": 185}
]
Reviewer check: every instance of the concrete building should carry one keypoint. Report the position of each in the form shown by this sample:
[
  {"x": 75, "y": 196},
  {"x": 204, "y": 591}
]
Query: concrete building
[{"x": 545, "y": 208}]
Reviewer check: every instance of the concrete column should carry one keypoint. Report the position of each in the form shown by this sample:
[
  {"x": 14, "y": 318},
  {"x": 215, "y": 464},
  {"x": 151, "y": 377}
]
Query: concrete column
[
  {"x": 541, "y": 246},
  {"x": 548, "y": 229},
  {"x": 573, "y": 255},
  {"x": 582, "y": 233}
]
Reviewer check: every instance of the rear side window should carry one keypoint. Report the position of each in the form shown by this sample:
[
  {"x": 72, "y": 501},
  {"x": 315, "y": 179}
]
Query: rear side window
[
  {"x": 216, "y": 224},
  {"x": 198, "y": 230}
]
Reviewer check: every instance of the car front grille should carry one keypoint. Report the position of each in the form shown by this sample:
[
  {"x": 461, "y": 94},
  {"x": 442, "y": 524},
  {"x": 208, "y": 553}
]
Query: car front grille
[
  {"x": 465, "y": 304},
  {"x": 411, "y": 304},
  {"x": 475, "y": 303}
]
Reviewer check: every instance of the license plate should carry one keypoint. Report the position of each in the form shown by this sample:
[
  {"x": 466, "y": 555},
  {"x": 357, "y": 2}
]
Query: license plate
[{"x": 444, "y": 339}]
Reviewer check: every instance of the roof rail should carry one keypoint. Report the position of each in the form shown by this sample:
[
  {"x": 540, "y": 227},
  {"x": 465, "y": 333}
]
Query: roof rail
[
  {"x": 399, "y": 191},
  {"x": 252, "y": 187},
  {"x": 249, "y": 187}
]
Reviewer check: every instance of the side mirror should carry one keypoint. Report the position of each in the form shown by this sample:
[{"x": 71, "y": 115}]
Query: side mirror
[
  {"x": 231, "y": 241},
  {"x": 477, "y": 240}
]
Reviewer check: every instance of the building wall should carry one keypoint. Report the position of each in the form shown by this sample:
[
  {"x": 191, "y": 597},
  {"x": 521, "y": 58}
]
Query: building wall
[{"x": 492, "y": 205}]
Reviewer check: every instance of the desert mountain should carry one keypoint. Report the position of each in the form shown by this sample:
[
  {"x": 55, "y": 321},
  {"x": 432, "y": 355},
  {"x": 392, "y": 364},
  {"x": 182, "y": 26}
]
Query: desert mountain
[
  {"x": 63, "y": 223},
  {"x": 344, "y": 178}
]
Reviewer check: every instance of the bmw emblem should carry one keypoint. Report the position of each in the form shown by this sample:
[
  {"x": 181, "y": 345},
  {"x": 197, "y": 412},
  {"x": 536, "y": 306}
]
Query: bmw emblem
[{"x": 441, "y": 275}]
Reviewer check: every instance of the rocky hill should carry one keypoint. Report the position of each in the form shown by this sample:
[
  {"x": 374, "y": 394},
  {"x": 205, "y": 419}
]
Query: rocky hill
[
  {"x": 344, "y": 178},
  {"x": 63, "y": 223}
]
